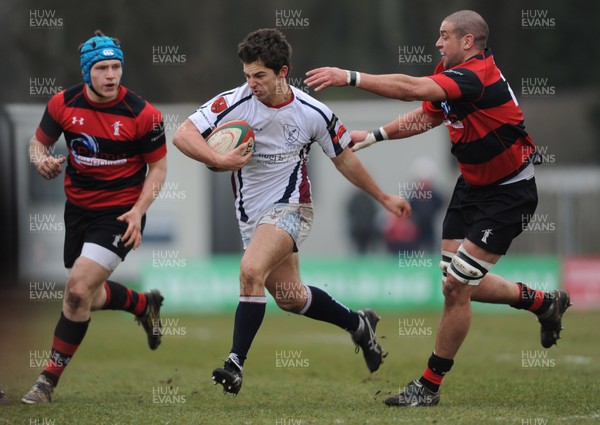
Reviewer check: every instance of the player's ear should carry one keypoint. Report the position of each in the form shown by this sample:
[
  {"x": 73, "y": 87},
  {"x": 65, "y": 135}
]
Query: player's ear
[
  {"x": 469, "y": 41},
  {"x": 283, "y": 72}
]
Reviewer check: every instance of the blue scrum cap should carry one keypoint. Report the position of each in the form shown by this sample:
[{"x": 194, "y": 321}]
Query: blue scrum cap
[{"x": 96, "y": 49}]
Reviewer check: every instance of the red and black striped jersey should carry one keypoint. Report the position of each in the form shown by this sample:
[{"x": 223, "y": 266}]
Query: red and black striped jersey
[
  {"x": 109, "y": 144},
  {"x": 484, "y": 120}
]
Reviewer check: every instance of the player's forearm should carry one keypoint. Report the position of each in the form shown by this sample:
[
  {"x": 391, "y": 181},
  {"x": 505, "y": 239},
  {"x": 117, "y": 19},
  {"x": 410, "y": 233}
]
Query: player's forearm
[
  {"x": 394, "y": 86},
  {"x": 38, "y": 152},
  {"x": 354, "y": 171},
  {"x": 191, "y": 148},
  {"x": 152, "y": 185},
  {"x": 191, "y": 143},
  {"x": 410, "y": 124}
]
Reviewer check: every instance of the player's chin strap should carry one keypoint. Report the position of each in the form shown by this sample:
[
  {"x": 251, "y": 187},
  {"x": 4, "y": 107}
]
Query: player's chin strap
[
  {"x": 91, "y": 86},
  {"x": 468, "y": 269}
]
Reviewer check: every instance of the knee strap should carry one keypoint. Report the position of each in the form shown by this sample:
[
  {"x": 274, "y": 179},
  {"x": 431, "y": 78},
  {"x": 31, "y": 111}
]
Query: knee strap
[
  {"x": 468, "y": 269},
  {"x": 445, "y": 263}
]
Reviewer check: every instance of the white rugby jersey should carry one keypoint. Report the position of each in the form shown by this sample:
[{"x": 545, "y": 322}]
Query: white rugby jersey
[{"x": 277, "y": 172}]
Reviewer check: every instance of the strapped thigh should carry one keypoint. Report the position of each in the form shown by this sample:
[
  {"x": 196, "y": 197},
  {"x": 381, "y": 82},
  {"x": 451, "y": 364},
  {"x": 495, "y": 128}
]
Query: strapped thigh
[{"x": 468, "y": 269}]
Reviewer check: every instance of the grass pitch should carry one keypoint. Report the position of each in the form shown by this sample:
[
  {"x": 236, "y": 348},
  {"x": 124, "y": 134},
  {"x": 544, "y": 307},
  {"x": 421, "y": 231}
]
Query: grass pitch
[{"x": 302, "y": 372}]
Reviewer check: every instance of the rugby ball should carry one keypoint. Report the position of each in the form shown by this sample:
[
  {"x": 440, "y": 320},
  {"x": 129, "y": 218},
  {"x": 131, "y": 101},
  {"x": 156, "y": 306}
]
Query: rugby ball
[{"x": 230, "y": 135}]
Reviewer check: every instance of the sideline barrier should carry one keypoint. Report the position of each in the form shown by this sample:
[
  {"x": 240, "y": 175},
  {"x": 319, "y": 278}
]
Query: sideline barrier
[{"x": 385, "y": 283}]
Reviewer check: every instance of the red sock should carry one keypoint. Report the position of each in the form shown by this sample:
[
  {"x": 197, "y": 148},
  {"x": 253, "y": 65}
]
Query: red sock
[
  {"x": 119, "y": 297},
  {"x": 433, "y": 377},
  {"x": 532, "y": 299},
  {"x": 67, "y": 337},
  {"x": 437, "y": 367}
]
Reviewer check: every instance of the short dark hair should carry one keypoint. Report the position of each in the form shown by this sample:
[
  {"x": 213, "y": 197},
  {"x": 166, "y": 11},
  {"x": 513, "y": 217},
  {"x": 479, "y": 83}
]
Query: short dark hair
[
  {"x": 470, "y": 22},
  {"x": 268, "y": 45}
]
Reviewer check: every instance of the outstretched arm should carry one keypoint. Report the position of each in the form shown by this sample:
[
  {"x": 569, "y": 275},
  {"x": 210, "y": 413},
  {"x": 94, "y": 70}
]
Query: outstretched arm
[
  {"x": 350, "y": 166},
  {"x": 395, "y": 86},
  {"x": 410, "y": 124}
]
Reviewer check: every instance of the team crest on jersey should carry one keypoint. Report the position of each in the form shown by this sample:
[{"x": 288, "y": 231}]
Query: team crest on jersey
[
  {"x": 291, "y": 133},
  {"x": 219, "y": 105},
  {"x": 116, "y": 127},
  {"x": 451, "y": 117}
]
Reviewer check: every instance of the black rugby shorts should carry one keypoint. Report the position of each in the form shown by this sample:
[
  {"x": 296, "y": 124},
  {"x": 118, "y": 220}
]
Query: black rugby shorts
[
  {"x": 95, "y": 226},
  {"x": 491, "y": 216}
]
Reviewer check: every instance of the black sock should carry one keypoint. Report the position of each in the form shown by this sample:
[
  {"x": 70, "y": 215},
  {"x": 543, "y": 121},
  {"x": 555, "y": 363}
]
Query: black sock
[
  {"x": 248, "y": 318},
  {"x": 321, "y": 306},
  {"x": 533, "y": 300},
  {"x": 67, "y": 337},
  {"x": 437, "y": 367},
  {"x": 119, "y": 297}
]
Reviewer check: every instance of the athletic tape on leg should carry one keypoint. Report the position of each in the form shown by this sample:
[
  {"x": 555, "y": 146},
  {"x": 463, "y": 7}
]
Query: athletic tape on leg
[
  {"x": 468, "y": 269},
  {"x": 101, "y": 255},
  {"x": 445, "y": 263}
]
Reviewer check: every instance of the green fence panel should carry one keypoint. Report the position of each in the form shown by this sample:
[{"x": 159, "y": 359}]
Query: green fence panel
[{"x": 211, "y": 285}]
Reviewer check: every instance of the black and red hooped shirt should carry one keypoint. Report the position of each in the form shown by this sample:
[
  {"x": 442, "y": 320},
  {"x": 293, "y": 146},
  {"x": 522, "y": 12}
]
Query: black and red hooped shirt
[
  {"x": 484, "y": 120},
  {"x": 109, "y": 144}
]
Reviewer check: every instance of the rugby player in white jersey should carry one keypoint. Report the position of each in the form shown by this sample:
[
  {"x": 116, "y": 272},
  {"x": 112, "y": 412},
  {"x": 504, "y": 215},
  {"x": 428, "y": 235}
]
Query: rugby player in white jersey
[{"x": 273, "y": 194}]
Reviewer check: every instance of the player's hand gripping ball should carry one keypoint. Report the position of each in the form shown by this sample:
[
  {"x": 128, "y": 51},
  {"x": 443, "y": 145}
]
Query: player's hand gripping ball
[{"x": 229, "y": 136}]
